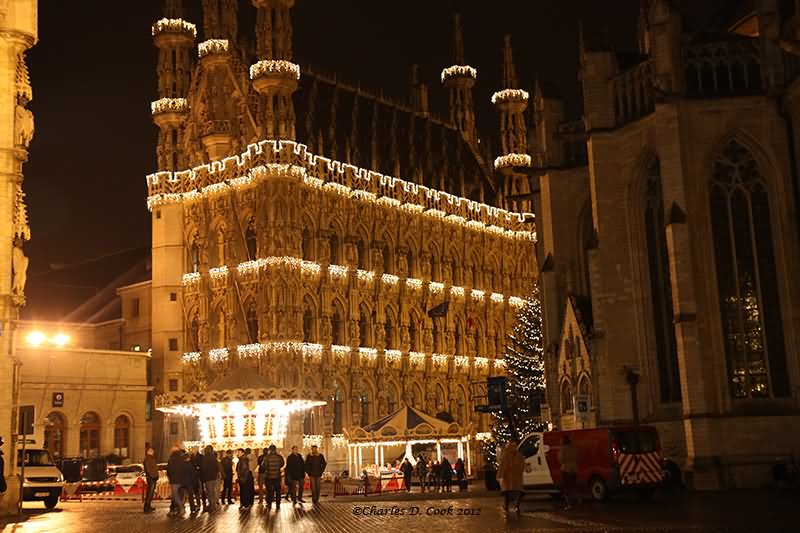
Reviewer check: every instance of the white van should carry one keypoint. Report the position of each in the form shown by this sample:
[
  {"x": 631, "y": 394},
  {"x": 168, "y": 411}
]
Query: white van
[
  {"x": 537, "y": 476},
  {"x": 43, "y": 479}
]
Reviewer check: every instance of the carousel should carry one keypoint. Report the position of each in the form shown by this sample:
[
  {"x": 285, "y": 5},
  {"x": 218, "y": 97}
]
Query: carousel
[
  {"x": 240, "y": 410},
  {"x": 405, "y": 428}
]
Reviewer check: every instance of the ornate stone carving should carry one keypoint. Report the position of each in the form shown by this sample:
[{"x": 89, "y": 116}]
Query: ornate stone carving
[{"x": 23, "y": 126}]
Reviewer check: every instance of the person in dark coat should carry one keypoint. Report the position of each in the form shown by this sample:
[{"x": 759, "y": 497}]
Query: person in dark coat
[
  {"x": 422, "y": 472},
  {"x": 407, "y": 471},
  {"x": 227, "y": 477},
  {"x": 175, "y": 476},
  {"x": 198, "y": 490},
  {"x": 435, "y": 476},
  {"x": 460, "y": 473},
  {"x": 189, "y": 481},
  {"x": 3, "y": 486},
  {"x": 273, "y": 463},
  {"x": 295, "y": 475},
  {"x": 151, "y": 475},
  {"x": 209, "y": 475},
  {"x": 446, "y": 475},
  {"x": 246, "y": 481},
  {"x": 315, "y": 466}
]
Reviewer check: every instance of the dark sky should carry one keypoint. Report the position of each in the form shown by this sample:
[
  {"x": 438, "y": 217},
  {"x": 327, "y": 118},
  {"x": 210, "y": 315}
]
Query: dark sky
[{"x": 93, "y": 77}]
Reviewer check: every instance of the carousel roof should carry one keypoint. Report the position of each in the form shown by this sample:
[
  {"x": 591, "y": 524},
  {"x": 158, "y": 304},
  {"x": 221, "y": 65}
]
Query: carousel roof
[{"x": 406, "y": 423}]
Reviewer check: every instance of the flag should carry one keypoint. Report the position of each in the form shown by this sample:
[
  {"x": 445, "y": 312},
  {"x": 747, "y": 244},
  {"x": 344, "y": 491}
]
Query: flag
[{"x": 439, "y": 310}]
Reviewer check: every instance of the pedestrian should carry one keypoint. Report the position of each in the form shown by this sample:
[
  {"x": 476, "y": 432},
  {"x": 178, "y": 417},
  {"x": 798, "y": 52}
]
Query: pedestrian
[
  {"x": 296, "y": 475},
  {"x": 460, "y": 473},
  {"x": 151, "y": 475},
  {"x": 175, "y": 477},
  {"x": 407, "y": 471},
  {"x": 512, "y": 463},
  {"x": 261, "y": 476},
  {"x": 3, "y": 487},
  {"x": 568, "y": 457},
  {"x": 446, "y": 475},
  {"x": 209, "y": 475},
  {"x": 246, "y": 482},
  {"x": 273, "y": 463},
  {"x": 227, "y": 477},
  {"x": 435, "y": 476},
  {"x": 252, "y": 461},
  {"x": 190, "y": 482},
  {"x": 315, "y": 466},
  {"x": 422, "y": 472}
]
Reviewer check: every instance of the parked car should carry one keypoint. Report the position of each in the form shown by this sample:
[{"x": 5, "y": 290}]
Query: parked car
[
  {"x": 126, "y": 475},
  {"x": 43, "y": 480},
  {"x": 610, "y": 459}
]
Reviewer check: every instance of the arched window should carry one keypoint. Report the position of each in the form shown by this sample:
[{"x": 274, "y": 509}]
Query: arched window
[
  {"x": 746, "y": 277},
  {"x": 194, "y": 335},
  {"x": 416, "y": 396},
  {"x": 364, "y": 401},
  {"x": 478, "y": 343},
  {"x": 458, "y": 278},
  {"x": 363, "y": 328},
  {"x": 122, "y": 436},
  {"x": 434, "y": 269},
  {"x": 585, "y": 390},
  {"x": 251, "y": 240},
  {"x": 461, "y": 407},
  {"x": 437, "y": 334},
  {"x": 252, "y": 323},
  {"x": 308, "y": 325},
  {"x": 413, "y": 336},
  {"x": 459, "y": 339},
  {"x": 661, "y": 288},
  {"x": 310, "y": 422},
  {"x": 89, "y": 435},
  {"x": 412, "y": 267},
  {"x": 308, "y": 246},
  {"x": 566, "y": 397},
  {"x": 441, "y": 405},
  {"x": 194, "y": 257},
  {"x": 338, "y": 410},
  {"x": 388, "y": 328},
  {"x": 54, "y": 432},
  {"x": 363, "y": 257},
  {"x": 333, "y": 243},
  {"x": 337, "y": 327},
  {"x": 388, "y": 265}
]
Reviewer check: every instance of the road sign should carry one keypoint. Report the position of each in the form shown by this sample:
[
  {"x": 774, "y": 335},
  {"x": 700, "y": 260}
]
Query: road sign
[{"x": 58, "y": 399}]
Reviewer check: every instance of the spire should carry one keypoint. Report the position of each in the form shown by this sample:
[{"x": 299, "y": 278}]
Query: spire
[
  {"x": 212, "y": 25},
  {"x": 173, "y": 9},
  {"x": 458, "y": 40},
  {"x": 509, "y": 71}
]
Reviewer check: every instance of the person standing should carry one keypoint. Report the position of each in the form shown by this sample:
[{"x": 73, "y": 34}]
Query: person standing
[
  {"x": 568, "y": 457},
  {"x": 227, "y": 477},
  {"x": 191, "y": 482},
  {"x": 315, "y": 466},
  {"x": 422, "y": 472},
  {"x": 407, "y": 471},
  {"x": 295, "y": 475},
  {"x": 175, "y": 476},
  {"x": 446, "y": 475},
  {"x": 261, "y": 476},
  {"x": 435, "y": 476},
  {"x": 209, "y": 474},
  {"x": 246, "y": 482},
  {"x": 512, "y": 464},
  {"x": 151, "y": 475},
  {"x": 460, "y": 473},
  {"x": 273, "y": 463}
]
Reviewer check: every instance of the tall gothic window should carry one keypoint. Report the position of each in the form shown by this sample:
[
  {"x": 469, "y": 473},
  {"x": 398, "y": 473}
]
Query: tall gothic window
[
  {"x": 388, "y": 327},
  {"x": 661, "y": 288},
  {"x": 364, "y": 408},
  {"x": 336, "y": 327},
  {"x": 363, "y": 328},
  {"x": 338, "y": 411},
  {"x": 308, "y": 246},
  {"x": 250, "y": 239},
  {"x": 388, "y": 266},
  {"x": 459, "y": 339},
  {"x": 437, "y": 334},
  {"x": 194, "y": 335},
  {"x": 334, "y": 247},
  {"x": 412, "y": 334},
  {"x": 746, "y": 277},
  {"x": 252, "y": 323},
  {"x": 361, "y": 252},
  {"x": 308, "y": 325}
]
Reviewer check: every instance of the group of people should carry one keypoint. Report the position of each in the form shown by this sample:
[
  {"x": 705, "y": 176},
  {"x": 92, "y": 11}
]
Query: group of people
[
  {"x": 195, "y": 477},
  {"x": 434, "y": 475}
]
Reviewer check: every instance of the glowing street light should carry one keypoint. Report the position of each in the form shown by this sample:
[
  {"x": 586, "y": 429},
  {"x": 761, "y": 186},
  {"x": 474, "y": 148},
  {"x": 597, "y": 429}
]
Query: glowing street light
[
  {"x": 61, "y": 339},
  {"x": 35, "y": 338}
]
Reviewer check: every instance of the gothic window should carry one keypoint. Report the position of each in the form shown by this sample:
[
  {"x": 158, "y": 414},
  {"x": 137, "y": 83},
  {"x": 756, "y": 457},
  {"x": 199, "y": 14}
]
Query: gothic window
[
  {"x": 337, "y": 327},
  {"x": 585, "y": 389},
  {"x": 334, "y": 247},
  {"x": 338, "y": 411},
  {"x": 364, "y": 400},
  {"x": 388, "y": 266},
  {"x": 416, "y": 396},
  {"x": 122, "y": 433},
  {"x": 363, "y": 328},
  {"x": 661, "y": 288},
  {"x": 746, "y": 277},
  {"x": 308, "y": 246},
  {"x": 434, "y": 269},
  {"x": 388, "y": 327},
  {"x": 308, "y": 325},
  {"x": 440, "y": 399},
  {"x": 458, "y": 279},
  {"x": 250, "y": 239},
  {"x": 566, "y": 397},
  {"x": 437, "y": 334},
  {"x": 476, "y": 276},
  {"x": 459, "y": 339},
  {"x": 413, "y": 336},
  {"x": 252, "y": 323},
  {"x": 361, "y": 251},
  {"x": 411, "y": 265},
  {"x": 194, "y": 336},
  {"x": 477, "y": 342}
]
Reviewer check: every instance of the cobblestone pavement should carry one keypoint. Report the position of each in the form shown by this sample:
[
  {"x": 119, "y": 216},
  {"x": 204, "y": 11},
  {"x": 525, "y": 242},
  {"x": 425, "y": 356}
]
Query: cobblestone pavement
[{"x": 740, "y": 511}]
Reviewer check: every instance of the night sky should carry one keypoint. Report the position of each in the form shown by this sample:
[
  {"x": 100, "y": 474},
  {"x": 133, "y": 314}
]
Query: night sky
[{"x": 93, "y": 77}]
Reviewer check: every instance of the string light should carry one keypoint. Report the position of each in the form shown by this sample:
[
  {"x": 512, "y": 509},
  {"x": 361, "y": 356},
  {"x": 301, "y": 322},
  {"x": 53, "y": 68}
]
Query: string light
[
  {"x": 457, "y": 291},
  {"x": 439, "y": 359},
  {"x": 416, "y": 357},
  {"x": 516, "y": 301},
  {"x": 218, "y": 355},
  {"x": 393, "y": 355},
  {"x": 510, "y": 95},
  {"x": 190, "y": 278},
  {"x": 218, "y": 272},
  {"x": 366, "y": 276},
  {"x": 512, "y": 160},
  {"x": 435, "y": 287},
  {"x": 390, "y": 279},
  {"x": 461, "y": 361},
  {"x": 169, "y": 105},
  {"x": 413, "y": 283},
  {"x": 173, "y": 25},
  {"x": 337, "y": 271},
  {"x": 459, "y": 70},
  {"x": 249, "y": 350},
  {"x": 212, "y": 46},
  {"x": 191, "y": 357},
  {"x": 369, "y": 353},
  {"x": 477, "y": 295},
  {"x": 481, "y": 362},
  {"x": 338, "y": 440},
  {"x": 312, "y": 440},
  {"x": 274, "y": 66},
  {"x": 496, "y": 297}
]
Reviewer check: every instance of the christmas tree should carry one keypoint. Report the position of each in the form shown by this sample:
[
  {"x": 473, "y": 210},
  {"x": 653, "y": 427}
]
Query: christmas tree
[{"x": 524, "y": 358}]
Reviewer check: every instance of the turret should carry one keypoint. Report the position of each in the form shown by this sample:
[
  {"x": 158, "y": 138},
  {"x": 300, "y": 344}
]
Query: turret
[
  {"x": 174, "y": 38},
  {"x": 275, "y": 75},
  {"x": 459, "y": 79},
  {"x": 419, "y": 93},
  {"x": 511, "y": 103}
]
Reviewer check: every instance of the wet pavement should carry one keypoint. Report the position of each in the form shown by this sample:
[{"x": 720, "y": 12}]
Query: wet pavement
[{"x": 691, "y": 512}]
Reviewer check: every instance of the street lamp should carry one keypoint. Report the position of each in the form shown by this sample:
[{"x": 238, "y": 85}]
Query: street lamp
[{"x": 35, "y": 338}]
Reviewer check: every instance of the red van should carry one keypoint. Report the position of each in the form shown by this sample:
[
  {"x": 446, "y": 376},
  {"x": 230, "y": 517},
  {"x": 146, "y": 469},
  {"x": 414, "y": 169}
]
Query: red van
[{"x": 610, "y": 459}]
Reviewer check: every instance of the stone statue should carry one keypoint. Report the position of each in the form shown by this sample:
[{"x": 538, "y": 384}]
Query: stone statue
[
  {"x": 23, "y": 126},
  {"x": 19, "y": 264},
  {"x": 203, "y": 335},
  {"x": 404, "y": 339}
]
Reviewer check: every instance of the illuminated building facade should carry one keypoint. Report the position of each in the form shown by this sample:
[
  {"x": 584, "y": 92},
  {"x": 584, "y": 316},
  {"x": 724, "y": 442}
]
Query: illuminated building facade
[{"x": 297, "y": 273}]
